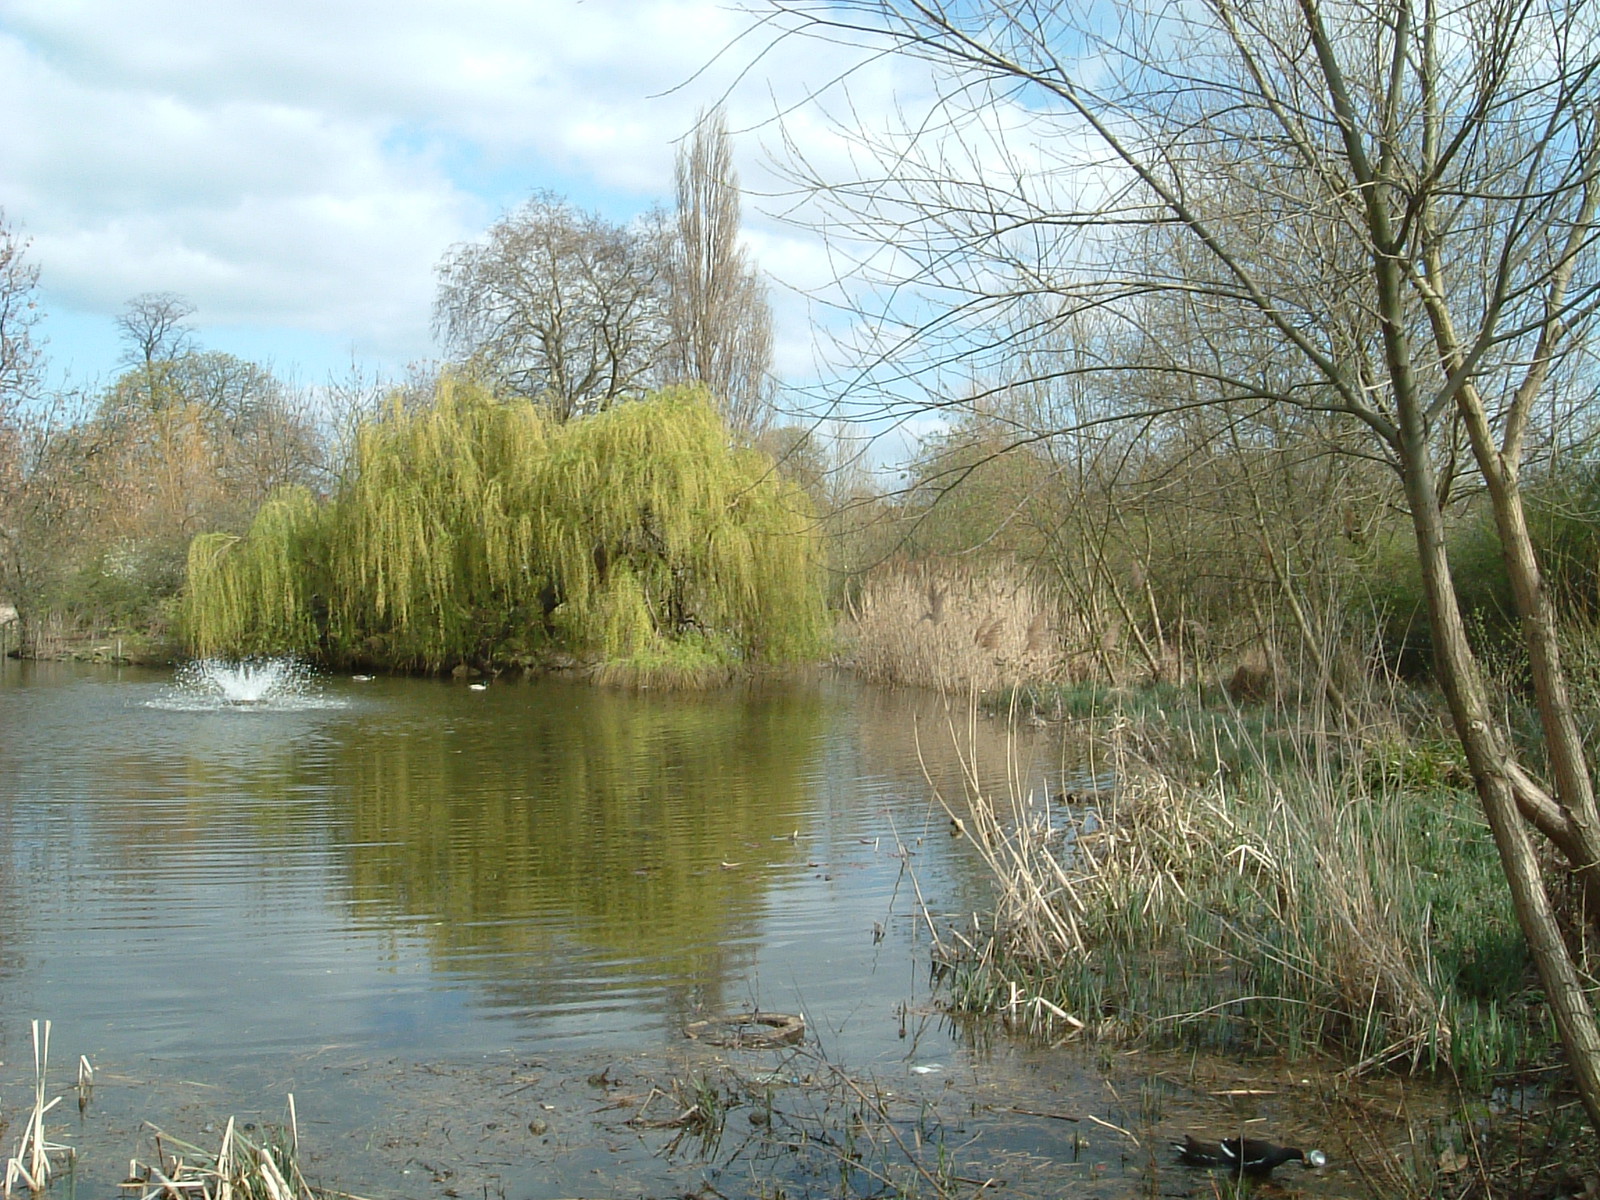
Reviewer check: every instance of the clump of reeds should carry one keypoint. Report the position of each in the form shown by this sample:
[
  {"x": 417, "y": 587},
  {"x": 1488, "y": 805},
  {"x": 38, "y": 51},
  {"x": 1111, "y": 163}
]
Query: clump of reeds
[
  {"x": 266, "y": 1167},
  {"x": 1323, "y": 906},
  {"x": 955, "y": 626},
  {"x": 699, "y": 1120},
  {"x": 811, "y": 1121},
  {"x": 1036, "y": 901},
  {"x": 30, "y": 1162}
]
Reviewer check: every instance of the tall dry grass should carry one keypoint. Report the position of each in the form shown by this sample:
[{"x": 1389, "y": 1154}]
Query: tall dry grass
[
  {"x": 955, "y": 626},
  {"x": 1333, "y": 905}
]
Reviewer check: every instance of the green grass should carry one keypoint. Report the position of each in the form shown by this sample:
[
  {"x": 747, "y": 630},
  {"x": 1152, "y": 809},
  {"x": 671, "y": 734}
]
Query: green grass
[{"x": 1261, "y": 888}]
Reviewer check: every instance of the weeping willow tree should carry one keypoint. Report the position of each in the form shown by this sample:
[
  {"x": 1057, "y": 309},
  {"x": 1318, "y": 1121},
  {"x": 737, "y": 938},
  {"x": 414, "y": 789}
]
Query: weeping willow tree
[
  {"x": 475, "y": 530},
  {"x": 652, "y": 525},
  {"x": 429, "y": 554},
  {"x": 257, "y": 594}
]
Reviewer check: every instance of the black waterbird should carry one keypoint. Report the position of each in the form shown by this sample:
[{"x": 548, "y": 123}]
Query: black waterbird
[{"x": 1244, "y": 1156}]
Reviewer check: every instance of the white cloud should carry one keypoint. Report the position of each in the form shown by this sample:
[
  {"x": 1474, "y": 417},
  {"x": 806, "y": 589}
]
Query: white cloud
[
  {"x": 566, "y": 78},
  {"x": 302, "y": 165}
]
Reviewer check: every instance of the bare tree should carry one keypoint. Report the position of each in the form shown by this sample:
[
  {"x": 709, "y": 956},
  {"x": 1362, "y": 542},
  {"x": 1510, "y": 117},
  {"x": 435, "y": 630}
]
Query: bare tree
[
  {"x": 44, "y": 505},
  {"x": 20, "y": 360},
  {"x": 259, "y": 433},
  {"x": 20, "y": 355},
  {"x": 721, "y": 323},
  {"x": 155, "y": 326},
  {"x": 345, "y": 401},
  {"x": 156, "y": 333},
  {"x": 1381, "y": 214},
  {"x": 555, "y": 304}
]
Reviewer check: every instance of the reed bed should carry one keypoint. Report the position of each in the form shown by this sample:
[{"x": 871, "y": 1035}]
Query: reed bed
[
  {"x": 1334, "y": 898},
  {"x": 265, "y": 1167},
  {"x": 955, "y": 627}
]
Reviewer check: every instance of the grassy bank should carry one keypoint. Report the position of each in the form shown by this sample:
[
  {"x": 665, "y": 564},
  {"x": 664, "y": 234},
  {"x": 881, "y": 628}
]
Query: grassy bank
[{"x": 1255, "y": 887}]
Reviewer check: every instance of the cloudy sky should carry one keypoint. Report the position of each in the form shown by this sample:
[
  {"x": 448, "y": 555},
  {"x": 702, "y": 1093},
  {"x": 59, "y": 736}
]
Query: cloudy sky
[{"x": 296, "y": 168}]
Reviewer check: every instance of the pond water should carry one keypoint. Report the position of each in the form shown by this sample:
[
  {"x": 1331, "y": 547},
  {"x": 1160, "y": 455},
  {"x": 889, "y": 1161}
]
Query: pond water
[{"x": 468, "y": 927}]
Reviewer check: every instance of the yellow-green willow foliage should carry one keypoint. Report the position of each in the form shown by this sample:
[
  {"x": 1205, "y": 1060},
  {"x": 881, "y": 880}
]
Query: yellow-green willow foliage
[
  {"x": 476, "y": 530},
  {"x": 254, "y": 595},
  {"x": 429, "y": 557},
  {"x": 652, "y": 524}
]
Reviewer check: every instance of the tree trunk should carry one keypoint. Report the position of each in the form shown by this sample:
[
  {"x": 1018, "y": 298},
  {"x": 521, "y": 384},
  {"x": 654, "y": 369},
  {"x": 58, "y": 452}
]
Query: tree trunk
[
  {"x": 1493, "y": 771},
  {"x": 1578, "y": 834}
]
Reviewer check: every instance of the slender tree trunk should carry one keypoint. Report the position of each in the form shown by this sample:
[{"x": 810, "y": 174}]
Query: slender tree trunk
[
  {"x": 1310, "y": 640},
  {"x": 1577, "y": 833},
  {"x": 1493, "y": 773}
]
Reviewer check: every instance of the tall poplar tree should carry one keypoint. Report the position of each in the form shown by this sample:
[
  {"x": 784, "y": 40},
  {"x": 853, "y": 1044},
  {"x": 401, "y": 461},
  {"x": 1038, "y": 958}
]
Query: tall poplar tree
[{"x": 717, "y": 308}]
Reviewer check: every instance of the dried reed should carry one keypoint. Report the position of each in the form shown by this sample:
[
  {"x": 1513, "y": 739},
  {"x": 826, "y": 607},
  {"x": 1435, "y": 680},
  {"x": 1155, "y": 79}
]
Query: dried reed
[
  {"x": 1036, "y": 901},
  {"x": 241, "y": 1169},
  {"x": 85, "y": 1082},
  {"x": 955, "y": 626},
  {"x": 1318, "y": 907},
  {"x": 30, "y": 1162}
]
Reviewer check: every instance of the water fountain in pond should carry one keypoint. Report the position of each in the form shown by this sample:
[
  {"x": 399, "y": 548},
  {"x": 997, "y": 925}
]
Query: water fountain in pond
[{"x": 257, "y": 684}]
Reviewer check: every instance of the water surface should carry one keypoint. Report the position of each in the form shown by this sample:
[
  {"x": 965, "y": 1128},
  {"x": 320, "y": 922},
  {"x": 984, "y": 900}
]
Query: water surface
[{"x": 415, "y": 904}]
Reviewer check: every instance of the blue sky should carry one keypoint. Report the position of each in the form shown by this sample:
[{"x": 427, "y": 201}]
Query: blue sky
[{"x": 296, "y": 169}]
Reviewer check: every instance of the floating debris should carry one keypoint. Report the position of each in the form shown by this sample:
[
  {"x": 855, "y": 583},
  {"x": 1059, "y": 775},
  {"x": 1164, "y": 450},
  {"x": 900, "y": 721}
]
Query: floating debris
[{"x": 749, "y": 1031}]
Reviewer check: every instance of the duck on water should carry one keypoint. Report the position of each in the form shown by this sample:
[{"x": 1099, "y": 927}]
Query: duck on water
[{"x": 1244, "y": 1156}]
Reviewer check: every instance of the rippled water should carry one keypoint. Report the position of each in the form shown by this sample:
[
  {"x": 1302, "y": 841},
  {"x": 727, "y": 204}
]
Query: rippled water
[
  {"x": 396, "y": 897},
  {"x": 412, "y": 865}
]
